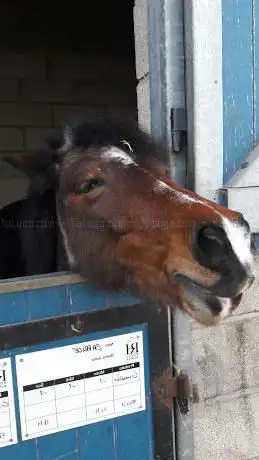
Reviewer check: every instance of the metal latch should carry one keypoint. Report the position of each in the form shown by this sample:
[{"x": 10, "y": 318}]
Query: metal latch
[
  {"x": 179, "y": 129},
  {"x": 169, "y": 388}
]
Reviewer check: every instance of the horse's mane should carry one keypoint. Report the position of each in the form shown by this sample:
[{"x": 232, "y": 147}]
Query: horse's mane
[{"x": 110, "y": 131}]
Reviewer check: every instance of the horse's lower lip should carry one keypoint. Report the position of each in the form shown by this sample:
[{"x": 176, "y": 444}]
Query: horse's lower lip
[
  {"x": 202, "y": 293},
  {"x": 190, "y": 284},
  {"x": 196, "y": 287},
  {"x": 236, "y": 301}
]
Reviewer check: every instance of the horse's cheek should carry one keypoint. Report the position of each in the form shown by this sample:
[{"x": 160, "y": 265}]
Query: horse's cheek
[
  {"x": 135, "y": 252},
  {"x": 128, "y": 247}
]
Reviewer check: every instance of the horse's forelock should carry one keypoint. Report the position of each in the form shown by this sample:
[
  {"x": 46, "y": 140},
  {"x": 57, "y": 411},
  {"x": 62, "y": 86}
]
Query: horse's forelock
[{"x": 122, "y": 134}]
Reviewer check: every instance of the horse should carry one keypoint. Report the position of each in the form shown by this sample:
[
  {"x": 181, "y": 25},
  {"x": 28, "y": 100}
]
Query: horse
[
  {"x": 127, "y": 227},
  {"x": 28, "y": 227}
]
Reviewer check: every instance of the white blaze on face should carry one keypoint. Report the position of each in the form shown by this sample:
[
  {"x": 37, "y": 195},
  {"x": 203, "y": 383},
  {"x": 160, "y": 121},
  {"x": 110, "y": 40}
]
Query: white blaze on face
[
  {"x": 240, "y": 241},
  {"x": 162, "y": 187},
  {"x": 237, "y": 234},
  {"x": 70, "y": 256},
  {"x": 114, "y": 153}
]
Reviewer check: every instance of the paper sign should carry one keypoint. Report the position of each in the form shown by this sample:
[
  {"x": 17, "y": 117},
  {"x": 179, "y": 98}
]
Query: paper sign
[
  {"x": 75, "y": 385},
  {"x": 8, "y": 433}
]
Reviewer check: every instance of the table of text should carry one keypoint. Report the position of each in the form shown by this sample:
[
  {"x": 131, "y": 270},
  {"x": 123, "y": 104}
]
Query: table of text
[
  {"x": 78, "y": 399},
  {"x": 8, "y": 434}
]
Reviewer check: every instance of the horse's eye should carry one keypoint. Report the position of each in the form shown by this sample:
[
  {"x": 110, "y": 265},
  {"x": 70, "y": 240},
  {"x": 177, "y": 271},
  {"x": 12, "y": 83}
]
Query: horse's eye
[{"x": 90, "y": 185}]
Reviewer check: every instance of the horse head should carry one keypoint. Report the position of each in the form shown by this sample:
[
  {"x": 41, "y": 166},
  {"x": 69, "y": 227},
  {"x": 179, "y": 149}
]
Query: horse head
[
  {"x": 29, "y": 226},
  {"x": 127, "y": 226}
]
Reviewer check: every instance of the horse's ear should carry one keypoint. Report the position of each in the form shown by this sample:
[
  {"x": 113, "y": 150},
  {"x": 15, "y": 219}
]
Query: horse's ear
[
  {"x": 22, "y": 163},
  {"x": 40, "y": 163}
]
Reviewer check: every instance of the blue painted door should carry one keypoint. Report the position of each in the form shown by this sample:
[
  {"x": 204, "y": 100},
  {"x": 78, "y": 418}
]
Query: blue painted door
[
  {"x": 36, "y": 323},
  {"x": 240, "y": 59},
  {"x": 240, "y": 54}
]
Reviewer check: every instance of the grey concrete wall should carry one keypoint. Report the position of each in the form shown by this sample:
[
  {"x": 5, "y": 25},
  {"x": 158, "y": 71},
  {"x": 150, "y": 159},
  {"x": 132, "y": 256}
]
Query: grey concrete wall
[
  {"x": 226, "y": 371},
  {"x": 142, "y": 63}
]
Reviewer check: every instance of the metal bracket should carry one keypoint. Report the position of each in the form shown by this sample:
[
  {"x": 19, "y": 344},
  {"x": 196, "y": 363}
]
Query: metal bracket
[
  {"x": 169, "y": 388},
  {"x": 179, "y": 129}
]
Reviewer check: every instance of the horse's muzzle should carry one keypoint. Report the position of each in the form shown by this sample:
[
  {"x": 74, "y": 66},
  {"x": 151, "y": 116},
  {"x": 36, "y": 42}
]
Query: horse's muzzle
[{"x": 212, "y": 249}]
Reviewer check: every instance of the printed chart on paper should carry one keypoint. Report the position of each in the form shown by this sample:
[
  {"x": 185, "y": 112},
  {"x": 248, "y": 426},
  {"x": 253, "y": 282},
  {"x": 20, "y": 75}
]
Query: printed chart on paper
[
  {"x": 74, "y": 385},
  {"x": 8, "y": 433}
]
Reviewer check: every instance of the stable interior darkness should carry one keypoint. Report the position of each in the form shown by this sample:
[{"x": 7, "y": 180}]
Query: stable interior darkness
[{"x": 60, "y": 59}]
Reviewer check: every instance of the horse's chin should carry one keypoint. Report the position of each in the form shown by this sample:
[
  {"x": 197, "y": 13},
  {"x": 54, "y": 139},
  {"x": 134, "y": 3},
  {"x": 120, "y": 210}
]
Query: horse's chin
[
  {"x": 200, "y": 310},
  {"x": 205, "y": 308}
]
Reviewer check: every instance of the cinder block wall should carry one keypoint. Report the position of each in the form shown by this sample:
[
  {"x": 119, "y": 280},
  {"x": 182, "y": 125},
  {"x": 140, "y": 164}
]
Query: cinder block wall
[
  {"x": 39, "y": 93},
  {"x": 142, "y": 63},
  {"x": 44, "y": 85}
]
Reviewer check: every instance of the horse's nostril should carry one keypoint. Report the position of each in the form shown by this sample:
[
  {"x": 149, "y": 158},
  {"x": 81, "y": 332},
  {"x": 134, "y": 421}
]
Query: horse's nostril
[
  {"x": 210, "y": 234},
  {"x": 209, "y": 245}
]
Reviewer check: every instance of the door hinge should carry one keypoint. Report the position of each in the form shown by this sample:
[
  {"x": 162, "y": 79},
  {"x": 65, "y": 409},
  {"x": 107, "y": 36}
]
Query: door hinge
[
  {"x": 169, "y": 389},
  {"x": 178, "y": 129}
]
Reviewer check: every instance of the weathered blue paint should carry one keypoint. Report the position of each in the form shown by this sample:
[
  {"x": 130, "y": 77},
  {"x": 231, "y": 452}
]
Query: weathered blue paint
[
  {"x": 128, "y": 437},
  {"x": 256, "y": 237},
  {"x": 48, "y": 302},
  {"x": 256, "y": 69},
  {"x": 240, "y": 61},
  {"x": 238, "y": 78},
  {"x": 223, "y": 198},
  {"x": 13, "y": 309}
]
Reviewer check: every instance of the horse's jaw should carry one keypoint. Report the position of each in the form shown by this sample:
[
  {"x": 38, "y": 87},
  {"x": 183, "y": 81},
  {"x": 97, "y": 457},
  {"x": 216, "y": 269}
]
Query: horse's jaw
[
  {"x": 199, "y": 310},
  {"x": 204, "y": 307}
]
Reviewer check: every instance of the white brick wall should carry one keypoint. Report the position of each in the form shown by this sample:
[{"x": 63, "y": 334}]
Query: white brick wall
[
  {"x": 42, "y": 92},
  {"x": 142, "y": 39},
  {"x": 144, "y": 114},
  {"x": 9, "y": 89},
  {"x": 34, "y": 137},
  {"x": 22, "y": 65},
  {"x": 22, "y": 114},
  {"x": 38, "y": 93},
  {"x": 142, "y": 62},
  {"x": 11, "y": 139}
]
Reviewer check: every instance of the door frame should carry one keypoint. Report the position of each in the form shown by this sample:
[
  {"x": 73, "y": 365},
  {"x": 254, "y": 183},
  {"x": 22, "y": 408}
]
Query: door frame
[
  {"x": 183, "y": 36},
  {"x": 204, "y": 94}
]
